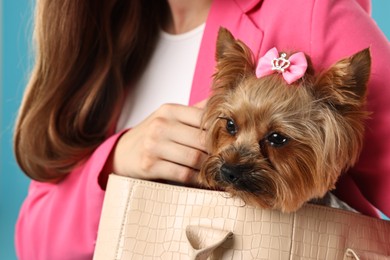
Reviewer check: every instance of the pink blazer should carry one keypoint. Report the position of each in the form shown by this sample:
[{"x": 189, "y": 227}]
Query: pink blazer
[{"x": 60, "y": 221}]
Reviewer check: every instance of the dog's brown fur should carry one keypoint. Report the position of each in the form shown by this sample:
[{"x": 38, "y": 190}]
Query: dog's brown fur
[{"x": 322, "y": 116}]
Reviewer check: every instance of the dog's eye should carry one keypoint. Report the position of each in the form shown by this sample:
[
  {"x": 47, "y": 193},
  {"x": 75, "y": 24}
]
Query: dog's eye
[
  {"x": 276, "y": 139},
  {"x": 231, "y": 127}
]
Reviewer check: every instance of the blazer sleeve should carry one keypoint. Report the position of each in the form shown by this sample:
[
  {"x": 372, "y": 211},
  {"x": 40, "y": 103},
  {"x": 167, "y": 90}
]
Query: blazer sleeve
[
  {"x": 60, "y": 221},
  {"x": 339, "y": 29}
]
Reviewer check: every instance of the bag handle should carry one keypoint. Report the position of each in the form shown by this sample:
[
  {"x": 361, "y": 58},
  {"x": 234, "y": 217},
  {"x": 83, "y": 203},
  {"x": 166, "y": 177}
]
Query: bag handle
[
  {"x": 353, "y": 254},
  {"x": 204, "y": 240}
]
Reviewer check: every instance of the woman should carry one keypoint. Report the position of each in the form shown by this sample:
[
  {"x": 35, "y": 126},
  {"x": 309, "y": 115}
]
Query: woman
[{"x": 99, "y": 64}]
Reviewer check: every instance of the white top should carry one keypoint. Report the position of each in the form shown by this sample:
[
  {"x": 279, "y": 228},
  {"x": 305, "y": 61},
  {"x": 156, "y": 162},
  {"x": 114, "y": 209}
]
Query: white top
[{"x": 167, "y": 78}]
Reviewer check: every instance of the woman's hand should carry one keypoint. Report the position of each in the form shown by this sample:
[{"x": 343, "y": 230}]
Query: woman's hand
[{"x": 167, "y": 145}]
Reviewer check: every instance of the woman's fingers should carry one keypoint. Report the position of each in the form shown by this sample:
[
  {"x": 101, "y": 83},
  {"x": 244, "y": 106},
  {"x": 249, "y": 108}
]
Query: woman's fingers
[
  {"x": 180, "y": 154},
  {"x": 167, "y": 145},
  {"x": 187, "y": 136},
  {"x": 178, "y": 124},
  {"x": 187, "y": 115},
  {"x": 201, "y": 104},
  {"x": 167, "y": 170}
]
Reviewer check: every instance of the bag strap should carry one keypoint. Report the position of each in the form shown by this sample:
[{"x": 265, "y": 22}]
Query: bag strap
[{"x": 353, "y": 254}]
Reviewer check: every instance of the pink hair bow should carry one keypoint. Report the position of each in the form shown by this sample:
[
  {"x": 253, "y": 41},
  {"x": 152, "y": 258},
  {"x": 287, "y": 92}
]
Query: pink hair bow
[{"x": 292, "y": 68}]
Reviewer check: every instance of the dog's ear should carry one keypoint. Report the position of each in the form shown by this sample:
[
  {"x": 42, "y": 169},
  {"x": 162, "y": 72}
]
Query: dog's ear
[
  {"x": 344, "y": 85},
  {"x": 234, "y": 59}
]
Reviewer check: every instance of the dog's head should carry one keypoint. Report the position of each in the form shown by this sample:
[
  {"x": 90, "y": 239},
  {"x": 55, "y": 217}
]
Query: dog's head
[{"x": 278, "y": 144}]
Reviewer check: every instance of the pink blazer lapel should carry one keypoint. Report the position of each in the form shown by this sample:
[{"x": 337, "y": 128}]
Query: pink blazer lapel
[{"x": 231, "y": 14}]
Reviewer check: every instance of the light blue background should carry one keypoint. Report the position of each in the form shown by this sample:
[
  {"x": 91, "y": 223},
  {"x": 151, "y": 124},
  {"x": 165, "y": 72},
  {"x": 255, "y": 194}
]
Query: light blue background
[{"x": 16, "y": 59}]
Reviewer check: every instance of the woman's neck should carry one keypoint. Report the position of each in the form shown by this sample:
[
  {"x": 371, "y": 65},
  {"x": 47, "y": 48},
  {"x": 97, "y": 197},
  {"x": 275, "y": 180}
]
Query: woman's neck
[{"x": 186, "y": 15}]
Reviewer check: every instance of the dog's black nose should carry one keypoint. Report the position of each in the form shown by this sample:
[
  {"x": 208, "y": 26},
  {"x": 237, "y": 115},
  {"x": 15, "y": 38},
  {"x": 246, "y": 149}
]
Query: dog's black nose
[{"x": 230, "y": 173}]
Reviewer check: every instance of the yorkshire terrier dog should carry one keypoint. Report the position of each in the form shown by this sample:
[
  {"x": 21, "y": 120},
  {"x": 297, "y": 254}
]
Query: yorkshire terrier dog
[{"x": 279, "y": 134}]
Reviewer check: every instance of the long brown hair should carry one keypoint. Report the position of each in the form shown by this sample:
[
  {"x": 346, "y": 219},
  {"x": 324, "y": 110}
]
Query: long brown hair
[{"x": 87, "y": 53}]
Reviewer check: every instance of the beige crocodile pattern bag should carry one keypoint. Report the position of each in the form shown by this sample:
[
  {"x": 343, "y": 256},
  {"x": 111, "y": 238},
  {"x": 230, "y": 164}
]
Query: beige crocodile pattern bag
[{"x": 148, "y": 220}]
